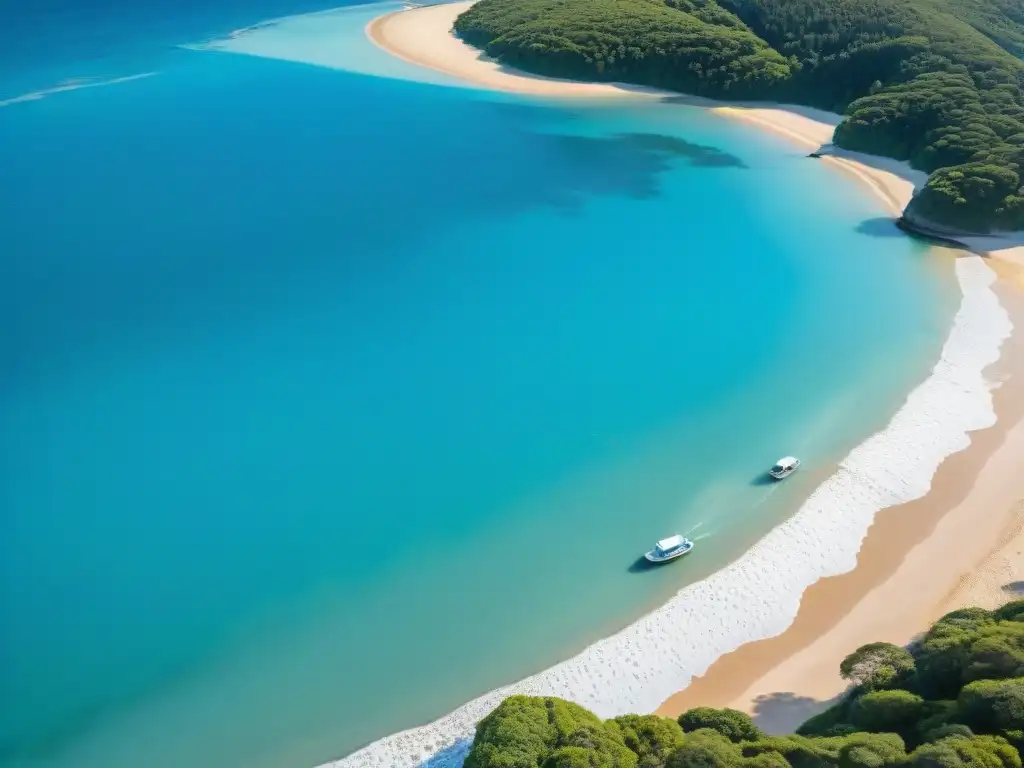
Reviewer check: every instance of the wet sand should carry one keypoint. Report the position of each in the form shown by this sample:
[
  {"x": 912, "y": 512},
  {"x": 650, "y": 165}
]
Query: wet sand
[
  {"x": 960, "y": 545},
  {"x": 423, "y": 36}
]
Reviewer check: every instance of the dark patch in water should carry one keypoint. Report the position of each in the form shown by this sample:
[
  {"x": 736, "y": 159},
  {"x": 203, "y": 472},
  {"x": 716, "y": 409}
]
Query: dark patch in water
[
  {"x": 699, "y": 155},
  {"x": 642, "y": 565},
  {"x": 217, "y": 222},
  {"x": 627, "y": 164}
]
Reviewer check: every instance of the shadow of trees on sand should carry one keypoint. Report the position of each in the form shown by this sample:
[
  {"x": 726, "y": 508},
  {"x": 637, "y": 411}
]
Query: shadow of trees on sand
[{"x": 779, "y": 713}]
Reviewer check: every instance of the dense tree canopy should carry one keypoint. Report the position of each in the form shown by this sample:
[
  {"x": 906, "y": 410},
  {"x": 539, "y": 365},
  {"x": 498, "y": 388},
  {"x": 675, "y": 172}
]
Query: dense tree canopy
[
  {"x": 935, "y": 82},
  {"x": 651, "y": 738},
  {"x": 734, "y": 725},
  {"x": 887, "y": 712},
  {"x": 955, "y": 699},
  {"x": 970, "y": 645},
  {"x": 877, "y": 666},
  {"x": 524, "y": 731},
  {"x": 642, "y": 41}
]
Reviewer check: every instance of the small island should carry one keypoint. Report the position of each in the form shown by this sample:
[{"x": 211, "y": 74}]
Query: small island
[
  {"x": 936, "y": 83},
  {"x": 955, "y": 698}
]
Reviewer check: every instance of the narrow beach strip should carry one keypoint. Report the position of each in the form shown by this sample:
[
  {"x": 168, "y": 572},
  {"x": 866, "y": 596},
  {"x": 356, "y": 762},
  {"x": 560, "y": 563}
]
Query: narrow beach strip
[{"x": 423, "y": 36}]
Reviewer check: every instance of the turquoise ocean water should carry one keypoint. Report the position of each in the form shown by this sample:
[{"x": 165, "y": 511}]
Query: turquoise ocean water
[{"x": 330, "y": 401}]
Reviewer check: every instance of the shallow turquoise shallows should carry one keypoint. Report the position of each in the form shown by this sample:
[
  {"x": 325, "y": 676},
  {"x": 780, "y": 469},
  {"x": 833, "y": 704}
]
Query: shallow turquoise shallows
[{"x": 331, "y": 401}]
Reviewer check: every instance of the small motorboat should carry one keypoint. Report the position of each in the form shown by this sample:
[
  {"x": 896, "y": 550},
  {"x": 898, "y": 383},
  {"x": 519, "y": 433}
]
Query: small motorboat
[
  {"x": 784, "y": 467},
  {"x": 669, "y": 549}
]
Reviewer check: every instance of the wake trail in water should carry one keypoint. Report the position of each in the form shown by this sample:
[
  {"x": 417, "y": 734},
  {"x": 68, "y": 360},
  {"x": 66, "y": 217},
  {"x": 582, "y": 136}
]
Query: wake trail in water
[
  {"x": 71, "y": 85},
  {"x": 769, "y": 492}
]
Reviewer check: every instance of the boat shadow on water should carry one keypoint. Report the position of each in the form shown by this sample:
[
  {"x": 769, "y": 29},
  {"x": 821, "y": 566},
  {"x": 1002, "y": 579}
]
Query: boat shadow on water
[
  {"x": 763, "y": 479},
  {"x": 643, "y": 565}
]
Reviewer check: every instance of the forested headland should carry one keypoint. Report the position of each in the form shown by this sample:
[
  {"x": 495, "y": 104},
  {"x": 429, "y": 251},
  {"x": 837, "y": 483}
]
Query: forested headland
[
  {"x": 955, "y": 698},
  {"x": 938, "y": 83}
]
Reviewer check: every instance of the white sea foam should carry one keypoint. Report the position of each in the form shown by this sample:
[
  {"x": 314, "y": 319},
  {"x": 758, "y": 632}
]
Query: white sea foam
[
  {"x": 758, "y": 595},
  {"x": 71, "y": 85}
]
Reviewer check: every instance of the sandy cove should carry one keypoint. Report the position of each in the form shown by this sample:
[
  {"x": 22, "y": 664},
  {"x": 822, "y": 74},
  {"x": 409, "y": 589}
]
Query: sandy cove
[
  {"x": 962, "y": 544},
  {"x": 423, "y": 36}
]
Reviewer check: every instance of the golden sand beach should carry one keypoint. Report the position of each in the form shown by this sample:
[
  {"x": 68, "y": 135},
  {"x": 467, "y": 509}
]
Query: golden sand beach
[
  {"x": 423, "y": 36},
  {"x": 962, "y": 544}
]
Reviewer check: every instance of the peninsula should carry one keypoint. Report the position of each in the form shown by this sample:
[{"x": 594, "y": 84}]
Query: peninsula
[{"x": 935, "y": 83}]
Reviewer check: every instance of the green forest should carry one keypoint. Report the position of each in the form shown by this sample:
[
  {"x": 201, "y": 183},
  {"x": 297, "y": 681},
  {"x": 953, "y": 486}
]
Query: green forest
[
  {"x": 937, "y": 83},
  {"x": 954, "y": 698}
]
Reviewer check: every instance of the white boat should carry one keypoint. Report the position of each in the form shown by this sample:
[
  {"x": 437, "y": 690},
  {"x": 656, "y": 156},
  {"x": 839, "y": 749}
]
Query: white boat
[
  {"x": 784, "y": 467},
  {"x": 669, "y": 549}
]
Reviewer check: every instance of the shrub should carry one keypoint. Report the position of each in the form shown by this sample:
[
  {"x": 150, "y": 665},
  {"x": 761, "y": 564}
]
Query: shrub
[
  {"x": 706, "y": 748},
  {"x": 824, "y": 723},
  {"x": 991, "y": 706},
  {"x": 523, "y": 731},
  {"x": 945, "y": 731},
  {"x": 886, "y": 711},
  {"x": 1012, "y": 611},
  {"x": 734, "y": 725},
  {"x": 975, "y": 752},
  {"x": 871, "y": 750},
  {"x": 651, "y": 738},
  {"x": 878, "y": 665}
]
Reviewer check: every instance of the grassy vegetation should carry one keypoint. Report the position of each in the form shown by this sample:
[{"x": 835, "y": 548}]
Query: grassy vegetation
[
  {"x": 955, "y": 699},
  {"x": 934, "y": 82}
]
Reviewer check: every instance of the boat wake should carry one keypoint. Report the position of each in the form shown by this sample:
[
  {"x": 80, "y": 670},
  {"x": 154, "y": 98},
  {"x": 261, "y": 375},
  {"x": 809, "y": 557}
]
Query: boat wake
[
  {"x": 768, "y": 493},
  {"x": 758, "y": 595},
  {"x": 75, "y": 84}
]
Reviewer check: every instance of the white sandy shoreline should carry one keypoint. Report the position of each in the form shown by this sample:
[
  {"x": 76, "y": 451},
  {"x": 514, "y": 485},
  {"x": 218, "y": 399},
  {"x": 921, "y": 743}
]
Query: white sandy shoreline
[
  {"x": 639, "y": 668},
  {"x": 759, "y": 595}
]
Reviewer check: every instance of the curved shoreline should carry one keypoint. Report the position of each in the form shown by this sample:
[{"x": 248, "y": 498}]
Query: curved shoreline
[
  {"x": 422, "y": 36},
  {"x": 726, "y": 618},
  {"x": 759, "y": 595},
  {"x": 971, "y": 520}
]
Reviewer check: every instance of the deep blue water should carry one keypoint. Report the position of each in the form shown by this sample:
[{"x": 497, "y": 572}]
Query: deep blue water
[{"x": 310, "y": 380}]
